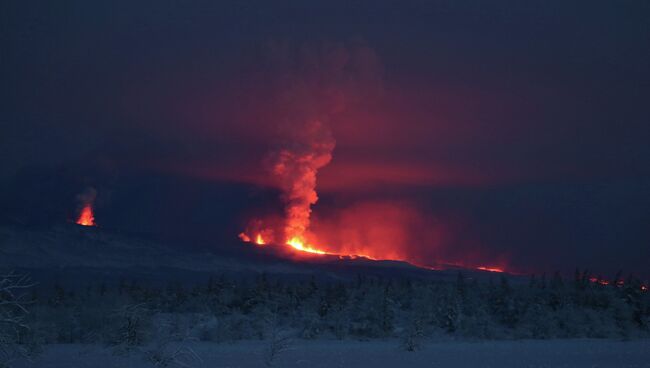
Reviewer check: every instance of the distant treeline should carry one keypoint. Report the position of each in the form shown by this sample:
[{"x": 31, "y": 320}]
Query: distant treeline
[{"x": 223, "y": 310}]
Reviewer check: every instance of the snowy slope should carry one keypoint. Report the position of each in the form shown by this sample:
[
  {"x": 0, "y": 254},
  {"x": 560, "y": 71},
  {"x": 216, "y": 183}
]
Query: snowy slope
[
  {"x": 77, "y": 252},
  {"x": 379, "y": 354}
]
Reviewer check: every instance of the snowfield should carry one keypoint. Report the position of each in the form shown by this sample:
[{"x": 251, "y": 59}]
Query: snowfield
[
  {"x": 387, "y": 353},
  {"x": 96, "y": 295}
]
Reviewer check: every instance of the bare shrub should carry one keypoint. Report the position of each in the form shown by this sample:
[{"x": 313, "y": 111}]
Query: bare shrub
[
  {"x": 278, "y": 341},
  {"x": 15, "y": 342},
  {"x": 171, "y": 344},
  {"x": 132, "y": 327},
  {"x": 169, "y": 353},
  {"x": 411, "y": 339}
]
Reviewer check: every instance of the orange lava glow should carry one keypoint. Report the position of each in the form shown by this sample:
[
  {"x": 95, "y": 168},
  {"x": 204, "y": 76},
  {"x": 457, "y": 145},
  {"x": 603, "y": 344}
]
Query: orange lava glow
[
  {"x": 374, "y": 231},
  {"x": 259, "y": 240},
  {"x": 86, "y": 217},
  {"x": 490, "y": 269},
  {"x": 299, "y": 244}
]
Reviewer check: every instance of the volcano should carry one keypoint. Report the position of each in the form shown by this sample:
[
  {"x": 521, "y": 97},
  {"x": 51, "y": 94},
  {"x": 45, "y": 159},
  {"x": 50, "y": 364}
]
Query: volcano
[{"x": 65, "y": 252}]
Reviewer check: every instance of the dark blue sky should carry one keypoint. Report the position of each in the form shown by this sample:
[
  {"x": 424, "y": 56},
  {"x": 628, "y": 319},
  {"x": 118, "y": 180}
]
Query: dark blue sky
[{"x": 515, "y": 132}]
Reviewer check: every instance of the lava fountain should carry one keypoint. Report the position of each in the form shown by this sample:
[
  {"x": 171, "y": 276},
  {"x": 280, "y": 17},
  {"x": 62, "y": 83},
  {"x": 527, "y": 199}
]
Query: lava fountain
[
  {"x": 85, "y": 200},
  {"x": 86, "y": 216}
]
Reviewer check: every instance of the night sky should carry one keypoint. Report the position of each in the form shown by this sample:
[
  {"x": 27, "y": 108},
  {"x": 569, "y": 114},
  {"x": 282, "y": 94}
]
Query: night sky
[{"x": 509, "y": 133}]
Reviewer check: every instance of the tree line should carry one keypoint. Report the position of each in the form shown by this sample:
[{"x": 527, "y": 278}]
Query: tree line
[{"x": 130, "y": 314}]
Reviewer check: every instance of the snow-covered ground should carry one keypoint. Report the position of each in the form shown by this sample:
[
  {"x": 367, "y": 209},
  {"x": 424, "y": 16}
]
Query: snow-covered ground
[{"x": 331, "y": 354}]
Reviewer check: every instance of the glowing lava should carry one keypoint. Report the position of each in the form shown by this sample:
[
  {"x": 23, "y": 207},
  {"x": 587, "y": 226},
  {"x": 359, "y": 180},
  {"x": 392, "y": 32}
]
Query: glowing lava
[
  {"x": 490, "y": 269},
  {"x": 86, "y": 217},
  {"x": 299, "y": 244},
  {"x": 295, "y": 167},
  {"x": 259, "y": 240}
]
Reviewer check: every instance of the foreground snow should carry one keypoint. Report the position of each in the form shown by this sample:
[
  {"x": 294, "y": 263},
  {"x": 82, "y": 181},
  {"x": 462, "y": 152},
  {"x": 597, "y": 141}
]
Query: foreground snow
[{"x": 330, "y": 354}]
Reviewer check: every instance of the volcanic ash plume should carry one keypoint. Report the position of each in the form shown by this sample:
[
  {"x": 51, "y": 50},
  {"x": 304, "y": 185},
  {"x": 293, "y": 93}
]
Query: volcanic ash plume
[
  {"x": 310, "y": 87},
  {"x": 295, "y": 166}
]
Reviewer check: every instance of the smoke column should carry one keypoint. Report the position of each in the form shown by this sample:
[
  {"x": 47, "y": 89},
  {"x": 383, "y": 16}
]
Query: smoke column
[
  {"x": 308, "y": 88},
  {"x": 296, "y": 166}
]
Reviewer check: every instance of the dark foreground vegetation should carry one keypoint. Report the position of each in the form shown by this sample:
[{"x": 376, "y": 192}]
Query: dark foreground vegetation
[{"x": 127, "y": 315}]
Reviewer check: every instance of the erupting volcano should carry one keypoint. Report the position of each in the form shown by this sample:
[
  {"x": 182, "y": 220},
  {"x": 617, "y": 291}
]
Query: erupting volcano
[
  {"x": 86, "y": 217},
  {"x": 295, "y": 167},
  {"x": 314, "y": 86},
  {"x": 86, "y": 199}
]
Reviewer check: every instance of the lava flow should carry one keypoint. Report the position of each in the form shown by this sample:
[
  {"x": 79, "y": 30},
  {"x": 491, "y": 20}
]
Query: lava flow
[
  {"x": 86, "y": 217},
  {"x": 490, "y": 269},
  {"x": 298, "y": 244},
  {"x": 295, "y": 243}
]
